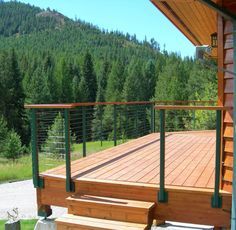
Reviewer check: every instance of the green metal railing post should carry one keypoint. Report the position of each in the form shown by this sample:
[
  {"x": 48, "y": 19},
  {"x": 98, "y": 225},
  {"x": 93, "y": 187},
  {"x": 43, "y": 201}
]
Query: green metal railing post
[
  {"x": 152, "y": 118},
  {"x": 84, "y": 130},
  {"x": 162, "y": 195},
  {"x": 216, "y": 198},
  {"x": 194, "y": 119},
  {"x": 145, "y": 120},
  {"x": 38, "y": 182},
  {"x": 115, "y": 125},
  {"x": 136, "y": 121},
  {"x": 101, "y": 134},
  {"x": 70, "y": 187},
  {"x": 175, "y": 120},
  {"x": 126, "y": 122}
]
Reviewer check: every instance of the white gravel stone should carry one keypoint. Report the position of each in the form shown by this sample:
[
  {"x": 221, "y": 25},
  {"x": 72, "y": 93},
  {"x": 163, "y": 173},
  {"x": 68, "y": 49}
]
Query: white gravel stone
[{"x": 22, "y": 195}]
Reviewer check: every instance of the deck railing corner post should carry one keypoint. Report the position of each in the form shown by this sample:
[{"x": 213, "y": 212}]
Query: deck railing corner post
[
  {"x": 152, "y": 118},
  {"x": 216, "y": 201},
  {"x": 84, "y": 124},
  {"x": 115, "y": 124},
  {"x": 70, "y": 186},
  {"x": 162, "y": 195},
  {"x": 37, "y": 181}
]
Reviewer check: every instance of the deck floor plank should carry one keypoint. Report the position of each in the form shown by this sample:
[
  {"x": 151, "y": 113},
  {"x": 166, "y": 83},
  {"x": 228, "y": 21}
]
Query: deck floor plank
[
  {"x": 190, "y": 164},
  {"x": 175, "y": 167},
  {"x": 120, "y": 165},
  {"x": 197, "y": 171},
  {"x": 189, "y": 161},
  {"x": 173, "y": 152}
]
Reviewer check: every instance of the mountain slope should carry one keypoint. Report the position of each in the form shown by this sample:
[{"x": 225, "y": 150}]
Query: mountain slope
[
  {"x": 33, "y": 31},
  {"x": 17, "y": 19},
  {"x": 58, "y": 60}
]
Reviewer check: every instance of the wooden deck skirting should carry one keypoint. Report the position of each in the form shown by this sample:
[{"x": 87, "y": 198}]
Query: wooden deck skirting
[{"x": 130, "y": 171}]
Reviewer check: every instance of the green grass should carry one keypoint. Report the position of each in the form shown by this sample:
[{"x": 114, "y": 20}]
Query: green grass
[
  {"x": 25, "y": 224},
  {"x": 22, "y": 168},
  {"x": 92, "y": 147}
]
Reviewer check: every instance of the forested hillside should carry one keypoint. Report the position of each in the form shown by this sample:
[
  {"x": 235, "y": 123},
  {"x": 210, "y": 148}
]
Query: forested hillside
[{"x": 48, "y": 58}]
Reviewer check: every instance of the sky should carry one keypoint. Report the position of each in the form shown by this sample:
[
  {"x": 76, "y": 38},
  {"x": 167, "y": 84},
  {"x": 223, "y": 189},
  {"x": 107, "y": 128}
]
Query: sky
[{"x": 138, "y": 17}]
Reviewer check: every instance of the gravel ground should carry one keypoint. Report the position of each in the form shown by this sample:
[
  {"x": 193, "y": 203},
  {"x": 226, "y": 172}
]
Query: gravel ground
[{"x": 22, "y": 195}]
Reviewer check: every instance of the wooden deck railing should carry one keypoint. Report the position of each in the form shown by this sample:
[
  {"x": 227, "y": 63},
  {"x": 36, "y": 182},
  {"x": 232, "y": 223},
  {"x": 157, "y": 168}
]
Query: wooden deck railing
[
  {"x": 145, "y": 108},
  {"x": 163, "y": 195}
]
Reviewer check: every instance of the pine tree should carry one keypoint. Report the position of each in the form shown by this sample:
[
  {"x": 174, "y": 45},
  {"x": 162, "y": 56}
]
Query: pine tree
[
  {"x": 172, "y": 86},
  {"x": 55, "y": 142},
  {"x": 102, "y": 81},
  {"x": 99, "y": 109},
  {"x": 66, "y": 82},
  {"x": 12, "y": 91},
  {"x": 40, "y": 92},
  {"x": 172, "y": 81},
  {"x": 88, "y": 84},
  {"x": 134, "y": 87},
  {"x": 50, "y": 80},
  {"x": 115, "y": 83},
  {"x": 84, "y": 91},
  {"x": 150, "y": 79},
  {"x": 75, "y": 89},
  {"x": 12, "y": 148},
  {"x": 3, "y": 133},
  {"x": 75, "y": 83}
]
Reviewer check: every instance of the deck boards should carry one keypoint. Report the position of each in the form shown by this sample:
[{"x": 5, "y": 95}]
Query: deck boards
[{"x": 190, "y": 160}]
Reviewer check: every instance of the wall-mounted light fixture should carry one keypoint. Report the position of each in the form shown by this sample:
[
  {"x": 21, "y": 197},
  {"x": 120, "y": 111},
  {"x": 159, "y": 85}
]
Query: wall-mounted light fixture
[{"x": 214, "y": 40}]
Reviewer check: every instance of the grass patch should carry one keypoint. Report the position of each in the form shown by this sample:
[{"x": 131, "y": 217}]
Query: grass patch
[
  {"x": 21, "y": 168},
  {"x": 92, "y": 147},
  {"x": 25, "y": 224}
]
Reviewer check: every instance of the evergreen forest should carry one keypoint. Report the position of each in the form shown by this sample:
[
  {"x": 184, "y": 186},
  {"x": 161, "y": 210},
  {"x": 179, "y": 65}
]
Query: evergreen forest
[{"x": 46, "y": 57}]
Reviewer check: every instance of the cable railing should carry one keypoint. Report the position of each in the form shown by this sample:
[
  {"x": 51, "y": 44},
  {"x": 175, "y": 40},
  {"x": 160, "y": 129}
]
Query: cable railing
[
  {"x": 71, "y": 131},
  {"x": 163, "y": 111}
]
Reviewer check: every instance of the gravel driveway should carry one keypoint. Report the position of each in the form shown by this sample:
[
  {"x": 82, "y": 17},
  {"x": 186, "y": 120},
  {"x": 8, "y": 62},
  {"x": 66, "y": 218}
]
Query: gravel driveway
[{"x": 22, "y": 195}]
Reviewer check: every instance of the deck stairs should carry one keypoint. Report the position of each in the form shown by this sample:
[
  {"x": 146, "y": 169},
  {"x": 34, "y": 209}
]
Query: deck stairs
[{"x": 87, "y": 212}]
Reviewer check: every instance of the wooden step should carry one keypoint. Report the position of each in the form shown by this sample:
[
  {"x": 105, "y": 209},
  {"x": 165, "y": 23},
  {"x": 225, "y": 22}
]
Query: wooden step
[
  {"x": 72, "y": 222},
  {"x": 111, "y": 208}
]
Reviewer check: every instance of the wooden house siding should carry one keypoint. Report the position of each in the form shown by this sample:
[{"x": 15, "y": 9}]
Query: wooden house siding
[{"x": 226, "y": 62}]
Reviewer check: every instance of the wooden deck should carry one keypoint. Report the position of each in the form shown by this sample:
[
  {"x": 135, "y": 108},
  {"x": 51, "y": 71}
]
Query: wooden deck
[
  {"x": 131, "y": 171},
  {"x": 190, "y": 160}
]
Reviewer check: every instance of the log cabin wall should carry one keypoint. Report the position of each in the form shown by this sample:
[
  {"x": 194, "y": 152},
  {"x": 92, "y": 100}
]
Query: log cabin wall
[{"x": 225, "y": 92}]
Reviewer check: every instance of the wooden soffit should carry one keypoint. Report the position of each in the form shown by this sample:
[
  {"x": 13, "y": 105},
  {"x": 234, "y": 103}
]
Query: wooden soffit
[{"x": 194, "y": 19}]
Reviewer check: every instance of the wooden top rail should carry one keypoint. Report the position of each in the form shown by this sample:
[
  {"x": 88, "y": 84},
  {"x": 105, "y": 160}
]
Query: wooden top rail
[
  {"x": 74, "y": 105},
  {"x": 187, "y": 101},
  {"x": 49, "y": 106},
  {"x": 186, "y": 107}
]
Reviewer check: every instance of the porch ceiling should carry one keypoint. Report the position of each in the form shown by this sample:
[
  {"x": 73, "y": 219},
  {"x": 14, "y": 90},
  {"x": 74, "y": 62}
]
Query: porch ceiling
[{"x": 194, "y": 19}]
